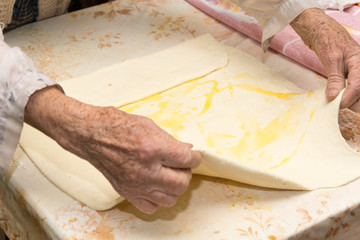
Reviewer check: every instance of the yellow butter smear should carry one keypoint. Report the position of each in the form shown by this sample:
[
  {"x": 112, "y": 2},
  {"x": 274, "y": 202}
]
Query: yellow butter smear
[
  {"x": 192, "y": 105},
  {"x": 286, "y": 160}
]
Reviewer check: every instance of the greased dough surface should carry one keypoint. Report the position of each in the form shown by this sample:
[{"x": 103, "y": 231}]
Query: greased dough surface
[{"x": 251, "y": 124}]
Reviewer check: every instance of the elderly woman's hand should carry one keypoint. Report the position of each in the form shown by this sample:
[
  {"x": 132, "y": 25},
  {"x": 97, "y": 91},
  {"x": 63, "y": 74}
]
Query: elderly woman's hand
[
  {"x": 337, "y": 50},
  {"x": 143, "y": 163}
]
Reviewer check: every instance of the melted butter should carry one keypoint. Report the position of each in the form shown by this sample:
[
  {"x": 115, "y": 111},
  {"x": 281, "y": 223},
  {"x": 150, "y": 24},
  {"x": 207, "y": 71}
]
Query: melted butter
[
  {"x": 172, "y": 116},
  {"x": 247, "y": 75},
  {"x": 212, "y": 91},
  {"x": 286, "y": 160},
  {"x": 260, "y": 90},
  {"x": 275, "y": 129},
  {"x": 173, "y": 120},
  {"x": 200, "y": 127},
  {"x": 266, "y": 92},
  {"x": 168, "y": 114},
  {"x": 242, "y": 146},
  {"x": 210, "y": 96},
  {"x": 132, "y": 106},
  {"x": 256, "y": 138},
  {"x": 212, "y": 139}
]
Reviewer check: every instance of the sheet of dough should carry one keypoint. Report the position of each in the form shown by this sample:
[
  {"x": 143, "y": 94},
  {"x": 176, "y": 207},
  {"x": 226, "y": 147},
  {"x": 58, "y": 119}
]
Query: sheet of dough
[{"x": 251, "y": 124}]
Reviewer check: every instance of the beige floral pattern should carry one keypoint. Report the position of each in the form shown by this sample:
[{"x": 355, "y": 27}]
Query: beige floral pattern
[{"x": 169, "y": 26}]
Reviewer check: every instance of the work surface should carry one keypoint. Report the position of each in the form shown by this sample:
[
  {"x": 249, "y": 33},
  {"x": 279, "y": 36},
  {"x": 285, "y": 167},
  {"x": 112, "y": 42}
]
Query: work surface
[{"x": 81, "y": 42}]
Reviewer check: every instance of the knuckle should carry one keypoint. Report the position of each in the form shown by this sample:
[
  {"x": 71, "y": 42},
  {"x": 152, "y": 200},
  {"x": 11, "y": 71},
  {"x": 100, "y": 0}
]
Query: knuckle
[
  {"x": 335, "y": 78},
  {"x": 335, "y": 56},
  {"x": 353, "y": 54},
  {"x": 134, "y": 176},
  {"x": 180, "y": 185},
  {"x": 147, "y": 149},
  {"x": 148, "y": 143},
  {"x": 111, "y": 109},
  {"x": 355, "y": 88},
  {"x": 145, "y": 121},
  {"x": 181, "y": 153}
]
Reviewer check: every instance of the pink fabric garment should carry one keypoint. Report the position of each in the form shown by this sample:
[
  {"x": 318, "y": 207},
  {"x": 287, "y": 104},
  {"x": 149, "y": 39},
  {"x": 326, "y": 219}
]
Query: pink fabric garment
[{"x": 287, "y": 41}]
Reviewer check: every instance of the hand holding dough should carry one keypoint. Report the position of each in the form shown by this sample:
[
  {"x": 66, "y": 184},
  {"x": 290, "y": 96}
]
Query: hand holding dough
[
  {"x": 143, "y": 163},
  {"x": 337, "y": 50}
]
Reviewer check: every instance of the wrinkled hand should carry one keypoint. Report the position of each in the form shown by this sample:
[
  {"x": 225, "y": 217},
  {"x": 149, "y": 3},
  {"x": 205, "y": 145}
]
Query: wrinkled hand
[
  {"x": 337, "y": 50},
  {"x": 143, "y": 163}
]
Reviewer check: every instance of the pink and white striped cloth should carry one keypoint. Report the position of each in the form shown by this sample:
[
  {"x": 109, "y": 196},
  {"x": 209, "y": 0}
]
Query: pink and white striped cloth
[{"x": 287, "y": 42}]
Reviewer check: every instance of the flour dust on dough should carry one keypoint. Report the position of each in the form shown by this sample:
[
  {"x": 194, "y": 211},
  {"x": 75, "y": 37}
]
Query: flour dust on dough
[{"x": 251, "y": 124}]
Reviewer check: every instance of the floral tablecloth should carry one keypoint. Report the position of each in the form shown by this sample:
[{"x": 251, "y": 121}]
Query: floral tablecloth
[{"x": 81, "y": 42}]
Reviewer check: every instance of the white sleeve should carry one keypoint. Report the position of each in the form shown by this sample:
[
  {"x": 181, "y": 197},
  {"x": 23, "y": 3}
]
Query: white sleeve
[
  {"x": 19, "y": 78},
  {"x": 274, "y": 15}
]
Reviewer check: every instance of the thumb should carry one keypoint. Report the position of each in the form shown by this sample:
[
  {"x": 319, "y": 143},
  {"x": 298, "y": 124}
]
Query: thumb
[{"x": 336, "y": 83}]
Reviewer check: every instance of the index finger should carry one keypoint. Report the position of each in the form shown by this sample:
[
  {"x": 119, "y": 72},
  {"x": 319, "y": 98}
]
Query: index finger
[
  {"x": 352, "y": 91},
  {"x": 180, "y": 155}
]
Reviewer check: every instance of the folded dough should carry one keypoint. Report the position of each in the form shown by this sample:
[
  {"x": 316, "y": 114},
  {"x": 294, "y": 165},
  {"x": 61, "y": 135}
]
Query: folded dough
[{"x": 251, "y": 124}]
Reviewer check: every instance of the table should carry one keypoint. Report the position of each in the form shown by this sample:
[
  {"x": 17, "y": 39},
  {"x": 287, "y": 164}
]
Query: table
[{"x": 81, "y": 42}]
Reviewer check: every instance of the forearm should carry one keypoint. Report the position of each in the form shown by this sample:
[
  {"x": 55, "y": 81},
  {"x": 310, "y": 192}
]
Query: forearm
[
  {"x": 69, "y": 122},
  {"x": 60, "y": 117},
  {"x": 317, "y": 29}
]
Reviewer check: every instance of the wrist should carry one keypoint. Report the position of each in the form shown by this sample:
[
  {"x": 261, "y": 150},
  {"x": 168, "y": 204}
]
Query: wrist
[{"x": 52, "y": 112}]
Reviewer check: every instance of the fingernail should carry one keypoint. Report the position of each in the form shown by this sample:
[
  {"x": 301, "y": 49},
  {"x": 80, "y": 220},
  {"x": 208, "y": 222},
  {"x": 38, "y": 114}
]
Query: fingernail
[{"x": 332, "y": 92}]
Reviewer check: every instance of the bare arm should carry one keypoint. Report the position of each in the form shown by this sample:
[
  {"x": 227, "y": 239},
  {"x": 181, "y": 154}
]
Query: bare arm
[{"x": 144, "y": 164}]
